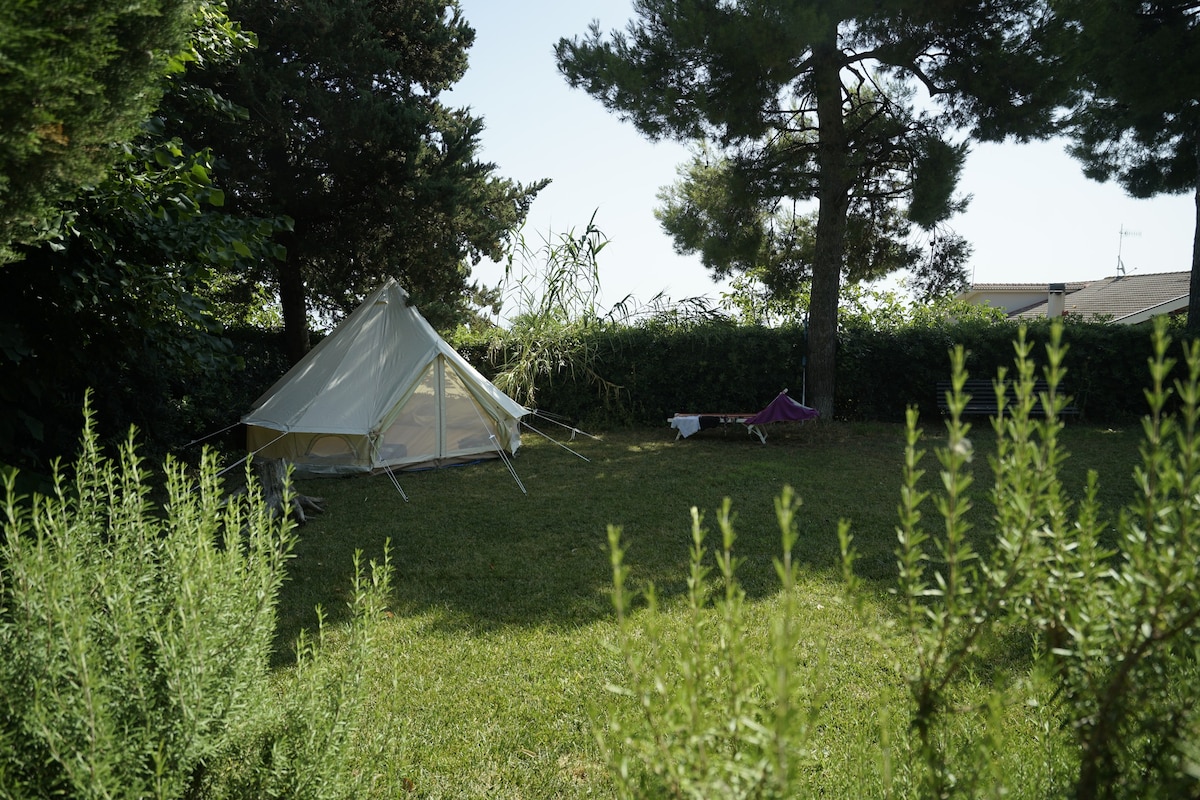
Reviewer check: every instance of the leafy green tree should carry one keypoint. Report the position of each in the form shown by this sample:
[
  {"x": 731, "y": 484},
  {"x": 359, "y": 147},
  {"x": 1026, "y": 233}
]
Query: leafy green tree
[
  {"x": 811, "y": 100},
  {"x": 346, "y": 134},
  {"x": 121, "y": 298},
  {"x": 120, "y": 305},
  {"x": 75, "y": 78},
  {"x": 1135, "y": 115},
  {"x": 767, "y": 239}
]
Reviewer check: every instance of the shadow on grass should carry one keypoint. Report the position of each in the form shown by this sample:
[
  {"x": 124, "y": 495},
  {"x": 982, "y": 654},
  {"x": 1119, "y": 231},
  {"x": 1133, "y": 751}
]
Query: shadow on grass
[{"x": 472, "y": 548}]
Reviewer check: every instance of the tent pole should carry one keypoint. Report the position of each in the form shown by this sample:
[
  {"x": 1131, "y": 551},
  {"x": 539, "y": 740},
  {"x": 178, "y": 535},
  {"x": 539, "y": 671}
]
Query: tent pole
[
  {"x": 395, "y": 481},
  {"x": 803, "y": 380},
  {"x": 508, "y": 463}
]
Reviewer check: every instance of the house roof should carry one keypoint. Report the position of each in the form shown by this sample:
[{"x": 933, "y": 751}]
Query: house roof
[
  {"x": 1022, "y": 288},
  {"x": 1123, "y": 298},
  {"x": 1011, "y": 297}
]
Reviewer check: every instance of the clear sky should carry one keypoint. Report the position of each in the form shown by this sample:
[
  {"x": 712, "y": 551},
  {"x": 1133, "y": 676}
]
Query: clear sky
[{"x": 1033, "y": 217}]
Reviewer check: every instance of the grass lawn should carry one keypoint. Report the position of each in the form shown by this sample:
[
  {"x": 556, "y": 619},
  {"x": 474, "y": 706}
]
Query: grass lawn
[{"x": 502, "y": 634}]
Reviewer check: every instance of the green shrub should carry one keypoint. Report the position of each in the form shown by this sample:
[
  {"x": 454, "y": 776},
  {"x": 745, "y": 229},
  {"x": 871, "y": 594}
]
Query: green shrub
[
  {"x": 137, "y": 638},
  {"x": 302, "y": 741},
  {"x": 132, "y": 640}
]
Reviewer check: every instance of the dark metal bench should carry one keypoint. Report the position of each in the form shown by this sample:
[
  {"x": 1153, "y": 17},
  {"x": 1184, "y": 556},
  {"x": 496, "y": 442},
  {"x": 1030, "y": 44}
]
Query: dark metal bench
[{"x": 983, "y": 398}]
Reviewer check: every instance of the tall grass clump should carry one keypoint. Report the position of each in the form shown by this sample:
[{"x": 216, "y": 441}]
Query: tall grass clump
[{"x": 137, "y": 619}]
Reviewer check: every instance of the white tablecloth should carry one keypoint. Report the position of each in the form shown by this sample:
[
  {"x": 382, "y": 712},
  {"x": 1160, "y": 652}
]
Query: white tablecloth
[{"x": 686, "y": 424}]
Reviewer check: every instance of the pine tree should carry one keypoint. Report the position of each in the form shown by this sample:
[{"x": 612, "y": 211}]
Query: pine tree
[
  {"x": 1135, "y": 114},
  {"x": 76, "y": 78},
  {"x": 346, "y": 134},
  {"x": 815, "y": 94}
]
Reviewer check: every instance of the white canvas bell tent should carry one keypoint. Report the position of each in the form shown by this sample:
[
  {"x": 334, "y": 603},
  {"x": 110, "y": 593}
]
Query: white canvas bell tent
[{"x": 383, "y": 391}]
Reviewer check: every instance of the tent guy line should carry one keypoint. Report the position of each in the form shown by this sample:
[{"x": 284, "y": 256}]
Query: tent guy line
[
  {"x": 396, "y": 482},
  {"x": 560, "y": 444},
  {"x": 246, "y": 457},
  {"x": 511, "y": 469}
]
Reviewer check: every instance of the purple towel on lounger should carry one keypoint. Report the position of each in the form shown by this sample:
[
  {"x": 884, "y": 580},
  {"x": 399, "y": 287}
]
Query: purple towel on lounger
[{"x": 783, "y": 409}]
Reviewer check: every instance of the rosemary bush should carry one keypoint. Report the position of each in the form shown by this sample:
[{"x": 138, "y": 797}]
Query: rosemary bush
[
  {"x": 302, "y": 742},
  {"x": 1054, "y": 619},
  {"x": 136, "y": 642},
  {"x": 132, "y": 640},
  {"x": 708, "y": 719},
  {"x": 1111, "y": 606}
]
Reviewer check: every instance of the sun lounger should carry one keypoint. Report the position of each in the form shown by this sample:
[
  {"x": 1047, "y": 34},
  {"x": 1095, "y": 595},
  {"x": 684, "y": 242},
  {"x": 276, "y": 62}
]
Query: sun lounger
[
  {"x": 781, "y": 409},
  {"x": 687, "y": 424}
]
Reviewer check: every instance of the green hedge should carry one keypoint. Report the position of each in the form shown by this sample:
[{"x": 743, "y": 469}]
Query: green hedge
[
  {"x": 880, "y": 373},
  {"x": 653, "y": 371},
  {"x": 660, "y": 369},
  {"x": 650, "y": 371}
]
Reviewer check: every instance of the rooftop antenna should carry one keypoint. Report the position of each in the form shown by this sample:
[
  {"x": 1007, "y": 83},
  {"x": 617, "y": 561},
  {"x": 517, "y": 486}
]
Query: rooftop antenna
[{"x": 1121, "y": 241}]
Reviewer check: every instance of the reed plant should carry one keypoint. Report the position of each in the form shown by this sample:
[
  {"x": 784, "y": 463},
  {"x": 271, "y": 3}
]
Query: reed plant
[{"x": 552, "y": 290}]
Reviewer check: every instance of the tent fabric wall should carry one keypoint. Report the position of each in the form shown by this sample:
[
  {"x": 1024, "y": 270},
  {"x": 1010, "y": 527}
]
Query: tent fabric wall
[{"x": 382, "y": 391}]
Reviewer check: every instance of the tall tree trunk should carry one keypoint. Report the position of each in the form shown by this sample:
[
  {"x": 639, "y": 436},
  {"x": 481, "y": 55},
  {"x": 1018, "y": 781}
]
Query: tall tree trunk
[
  {"x": 293, "y": 298},
  {"x": 1193, "y": 318},
  {"x": 294, "y": 303},
  {"x": 833, "y": 194}
]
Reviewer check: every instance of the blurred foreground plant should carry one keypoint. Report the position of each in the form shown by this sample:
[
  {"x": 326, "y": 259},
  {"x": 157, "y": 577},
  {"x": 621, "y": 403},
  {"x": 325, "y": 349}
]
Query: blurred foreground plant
[
  {"x": 136, "y": 642},
  {"x": 1055, "y": 654},
  {"x": 1111, "y": 607},
  {"x": 709, "y": 719}
]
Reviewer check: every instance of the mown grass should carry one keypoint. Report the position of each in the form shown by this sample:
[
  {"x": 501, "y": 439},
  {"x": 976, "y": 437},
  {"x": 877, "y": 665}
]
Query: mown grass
[{"x": 501, "y": 643}]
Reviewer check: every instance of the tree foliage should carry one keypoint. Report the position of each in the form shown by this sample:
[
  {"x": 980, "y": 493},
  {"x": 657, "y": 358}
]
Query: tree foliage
[
  {"x": 811, "y": 100},
  {"x": 1135, "y": 114},
  {"x": 347, "y": 135},
  {"x": 74, "y": 79},
  {"x": 142, "y": 266},
  {"x": 120, "y": 297},
  {"x": 771, "y": 240},
  {"x": 120, "y": 303}
]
